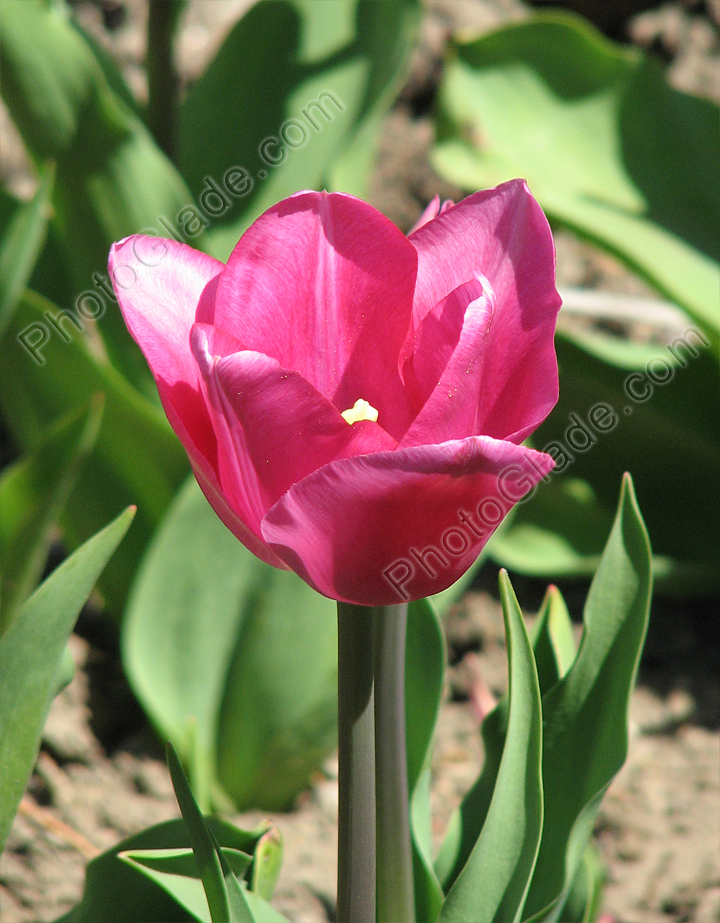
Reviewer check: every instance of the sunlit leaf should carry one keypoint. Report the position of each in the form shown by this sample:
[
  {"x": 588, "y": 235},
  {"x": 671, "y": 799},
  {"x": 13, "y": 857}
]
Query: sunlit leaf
[
  {"x": 31, "y": 655},
  {"x": 234, "y": 660}
]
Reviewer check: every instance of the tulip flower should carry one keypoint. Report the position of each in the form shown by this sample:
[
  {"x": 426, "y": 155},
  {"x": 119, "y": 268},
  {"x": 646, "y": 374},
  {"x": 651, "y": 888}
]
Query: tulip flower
[{"x": 353, "y": 401}]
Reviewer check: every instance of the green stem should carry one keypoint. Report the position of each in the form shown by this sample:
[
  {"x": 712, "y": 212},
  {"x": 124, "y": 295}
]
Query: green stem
[
  {"x": 395, "y": 894},
  {"x": 356, "y": 742},
  {"x": 163, "y": 81}
]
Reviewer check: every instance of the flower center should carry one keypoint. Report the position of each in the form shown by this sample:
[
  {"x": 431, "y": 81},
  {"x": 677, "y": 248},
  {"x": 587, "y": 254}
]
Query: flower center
[{"x": 360, "y": 411}]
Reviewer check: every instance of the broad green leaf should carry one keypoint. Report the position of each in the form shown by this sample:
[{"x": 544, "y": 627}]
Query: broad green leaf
[
  {"x": 307, "y": 120},
  {"x": 602, "y": 139},
  {"x": 224, "y": 895},
  {"x": 494, "y": 880},
  {"x": 552, "y": 640},
  {"x": 424, "y": 675},
  {"x": 137, "y": 458},
  {"x": 118, "y": 892},
  {"x": 111, "y": 180},
  {"x": 234, "y": 660},
  {"x": 22, "y": 240},
  {"x": 670, "y": 440},
  {"x": 585, "y": 713},
  {"x": 31, "y": 655},
  {"x": 33, "y": 492}
]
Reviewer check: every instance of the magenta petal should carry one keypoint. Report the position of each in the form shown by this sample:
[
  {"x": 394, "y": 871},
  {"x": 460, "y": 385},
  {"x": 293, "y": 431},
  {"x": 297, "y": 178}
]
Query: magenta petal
[
  {"x": 237, "y": 479},
  {"x": 377, "y": 529},
  {"x": 159, "y": 285},
  {"x": 451, "y": 411},
  {"x": 324, "y": 284},
  {"x": 433, "y": 209},
  {"x": 434, "y": 343},
  {"x": 288, "y": 428},
  {"x": 503, "y": 234}
]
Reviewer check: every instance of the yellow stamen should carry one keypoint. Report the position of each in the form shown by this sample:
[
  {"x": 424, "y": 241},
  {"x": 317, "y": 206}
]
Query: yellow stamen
[{"x": 361, "y": 411}]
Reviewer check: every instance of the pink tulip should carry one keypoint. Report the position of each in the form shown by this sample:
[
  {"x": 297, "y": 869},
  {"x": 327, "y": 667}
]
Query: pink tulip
[{"x": 353, "y": 401}]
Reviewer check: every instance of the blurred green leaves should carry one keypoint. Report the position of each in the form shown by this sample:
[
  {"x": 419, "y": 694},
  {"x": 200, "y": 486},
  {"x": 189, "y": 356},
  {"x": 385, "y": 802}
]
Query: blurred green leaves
[
  {"x": 33, "y": 494},
  {"x": 136, "y": 459},
  {"x": 234, "y": 660},
  {"x": 305, "y": 121},
  {"x": 603, "y": 141},
  {"x": 670, "y": 440}
]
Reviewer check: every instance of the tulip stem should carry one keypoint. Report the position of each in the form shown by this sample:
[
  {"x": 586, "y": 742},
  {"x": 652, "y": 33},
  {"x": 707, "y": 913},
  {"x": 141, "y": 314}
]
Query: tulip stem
[
  {"x": 356, "y": 770},
  {"x": 395, "y": 893}
]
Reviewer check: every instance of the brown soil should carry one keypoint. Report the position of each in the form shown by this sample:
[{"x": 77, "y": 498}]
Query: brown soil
[{"x": 100, "y": 775}]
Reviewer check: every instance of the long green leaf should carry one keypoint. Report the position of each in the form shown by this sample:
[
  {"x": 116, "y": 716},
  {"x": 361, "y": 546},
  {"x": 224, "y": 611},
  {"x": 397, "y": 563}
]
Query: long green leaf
[
  {"x": 224, "y": 895},
  {"x": 424, "y": 676},
  {"x": 602, "y": 139},
  {"x": 137, "y": 458},
  {"x": 585, "y": 714},
  {"x": 21, "y": 243},
  {"x": 234, "y": 660},
  {"x": 495, "y": 879},
  {"x": 33, "y": 493},
  {"x": 30, "y": 657}
]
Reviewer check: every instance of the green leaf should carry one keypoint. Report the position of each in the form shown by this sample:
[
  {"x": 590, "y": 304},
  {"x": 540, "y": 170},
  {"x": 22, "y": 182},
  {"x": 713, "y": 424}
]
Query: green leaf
[
  {"x": 424, "y": 676},
  {"x": 117, "y": 891},
  {"x": 112, "y": 180},
  {"x": 585, "y": 713},
  {"x": 553, "y": 640},
  {"x": 671, "y": 443},
  {"x": 494, "y": 880},
  {"x": 137, "y": 457},
  {"x": 31, "y": 655},
  {"x": 266, "y": 863},
  {"x": 225, "y": 896},
  {"x": 585, "y": 897},
  {"x": 21, "y": 243},
  {"x": 234, "y": 660},
  {"x": 182, "y": 861},
  {"x": 602, "y": 139},
  {"x": 33, "y": 492},
  {"x": 311, "y": 116}
]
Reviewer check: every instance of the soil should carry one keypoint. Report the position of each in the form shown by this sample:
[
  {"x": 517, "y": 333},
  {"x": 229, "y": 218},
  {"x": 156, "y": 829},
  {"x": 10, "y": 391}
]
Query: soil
[{"x": 100, "y": 775}]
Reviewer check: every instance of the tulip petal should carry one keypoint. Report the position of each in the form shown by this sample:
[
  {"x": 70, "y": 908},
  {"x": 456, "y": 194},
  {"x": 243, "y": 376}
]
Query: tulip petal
[
  {"x": 503, "y": 234},
  {"x": 160, "y": 284},
  {"x": 433, "y": 209},
  {"x": 288, "y": 429},
  {"x": 237, "y": 478},
  {"x": 446, "y": 361},
  {"x": 377, "y": 529},
  {"x": 324, "y": 284}
]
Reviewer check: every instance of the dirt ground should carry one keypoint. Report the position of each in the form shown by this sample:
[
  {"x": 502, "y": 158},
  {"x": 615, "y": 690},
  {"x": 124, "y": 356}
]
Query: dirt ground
[{"x": 100, "y": 775}]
